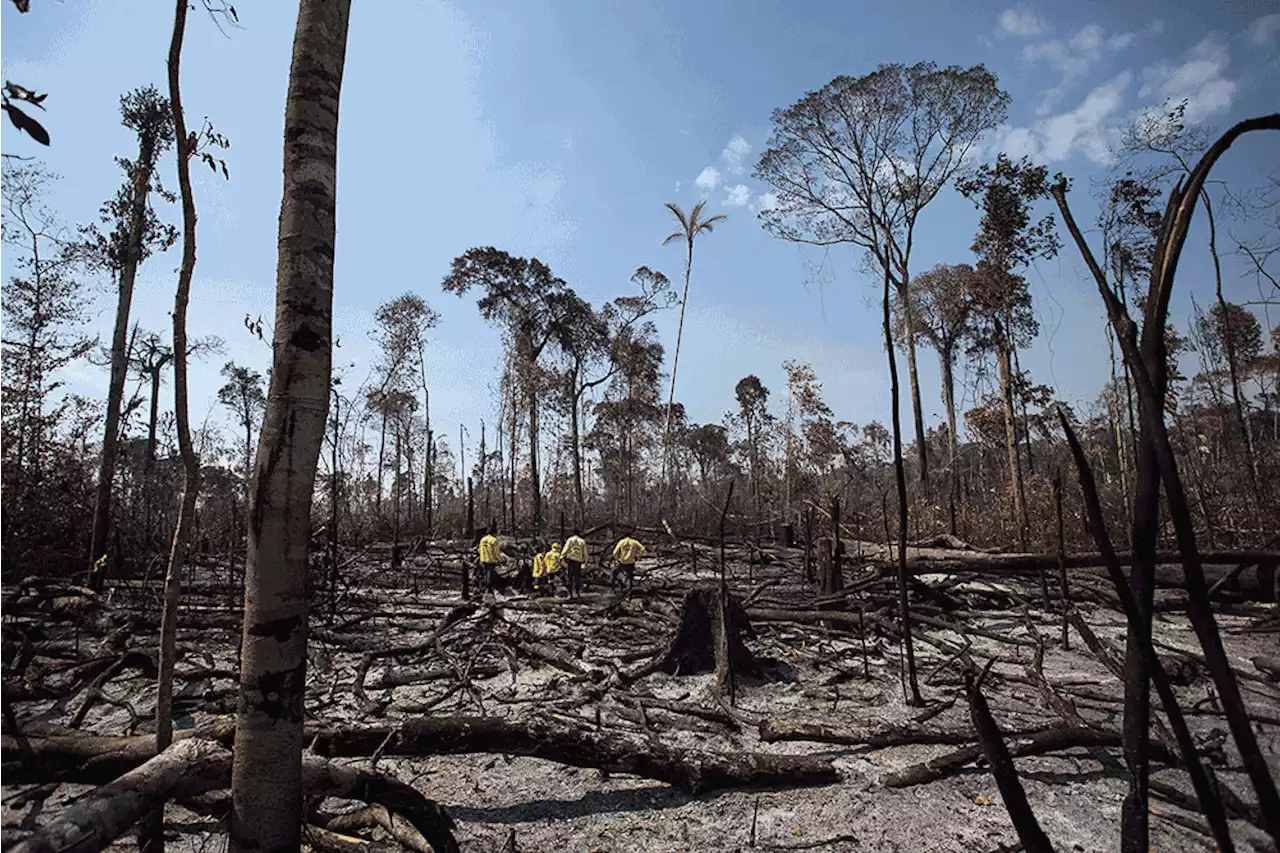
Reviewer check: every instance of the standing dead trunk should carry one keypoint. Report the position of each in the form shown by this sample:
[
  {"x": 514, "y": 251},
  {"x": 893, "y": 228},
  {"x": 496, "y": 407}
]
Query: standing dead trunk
[
  {"x": 148, "y": 478},
  {"x": 900, "y": 475},
  {"x": 428, "y": 485},
  {"x": 535, "y": 478},
  {"x": 154, "y": 837},
  {"x": 502, "y": 492},
  {"x": 1134, "y": 820},
  {"x": 953, "y": 442},
  {"x": 120, "y": 353},
  {"x": 1233, "y": 359},
  {"x": 1003, "y": 358},
  {"x": 382, "y": 459},
  {"x": 266, "y": 784},
  {"x": 1065, "y": 602},
  {"x": 917, "y": 411},
  {"x": 833, "y": 579},
  {"x": 575, "y": 437},
  {"x": 395, "y": 500},
  {"x": 335, "y": 477}
]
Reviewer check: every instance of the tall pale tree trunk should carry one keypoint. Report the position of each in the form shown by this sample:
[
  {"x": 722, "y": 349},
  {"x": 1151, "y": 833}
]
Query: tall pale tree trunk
[
  {"x": 576, "y": 438},
  {"x": 426, "y": 461},
  {"x": 527, "y": 358},
  {"x": 675, "y": 365},
  {"x": 148, "y": 471},
  {"x": 266, "y": 776},
  {"x": 154, "y": 837},
  {"x": 1005, "y": 364},
  {"x": 382, "y": 458},
  {"x": 535, "y": 479},
  {"x": 917, "y": 411},
  {"x": 947, "y": 359},
  {"x": 120, "y": 357},
  {"x": 1233, "y": 360}
]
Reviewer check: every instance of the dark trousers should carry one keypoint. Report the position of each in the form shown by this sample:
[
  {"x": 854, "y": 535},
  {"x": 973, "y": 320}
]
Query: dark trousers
[
  {"x": 574, "y": 578},
  {"x": 486, "y": 575},
  {"x": 627, "y": 571}
]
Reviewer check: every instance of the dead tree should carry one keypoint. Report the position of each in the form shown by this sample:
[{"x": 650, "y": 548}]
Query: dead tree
[
  {"x": 709, "y": 638},
  {"x": 1148, "y": 362}
]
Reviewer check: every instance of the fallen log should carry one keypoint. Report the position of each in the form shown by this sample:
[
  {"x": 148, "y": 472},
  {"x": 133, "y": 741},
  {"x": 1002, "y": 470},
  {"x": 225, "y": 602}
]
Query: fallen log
[
  {"x": 996, "y": 751},
  {"x": 691, "y": 771},
  {"x": 194, "y": 765},
  {"x": 317, "y": 839},
  {"x": 806, "y": 617},
  {"x": 1039, "y": 743},
  {"x": 408, "y": 675},
  {"x": 89, "y": 758},
  {"x": 187, "y": 767},
  {"x": 777, "y": 730}
]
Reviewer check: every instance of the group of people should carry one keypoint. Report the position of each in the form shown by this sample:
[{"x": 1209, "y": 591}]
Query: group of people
[{"x": 555, "y": 562}]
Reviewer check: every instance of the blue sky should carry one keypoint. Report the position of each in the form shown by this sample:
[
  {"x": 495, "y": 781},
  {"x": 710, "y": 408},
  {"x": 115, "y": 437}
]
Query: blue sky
[{"x": 559, "y": 129}]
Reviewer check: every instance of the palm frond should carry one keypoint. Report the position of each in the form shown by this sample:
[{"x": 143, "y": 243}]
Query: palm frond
[
  {"x": 684, "y": 221},
  {"x": 675, "y": 235},
  {"x": 707, "y": 225}
]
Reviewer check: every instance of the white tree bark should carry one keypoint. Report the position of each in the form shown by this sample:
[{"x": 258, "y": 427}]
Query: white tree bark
[{"x": 267, "y": 770}]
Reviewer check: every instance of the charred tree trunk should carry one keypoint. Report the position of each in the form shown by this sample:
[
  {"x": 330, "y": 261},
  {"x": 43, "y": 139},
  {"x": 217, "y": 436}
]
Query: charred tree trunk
[
  {"x": 120, "y": 355},
  {"x": 1018, "y": 495},
  {"x": 709, "y": 638},
  {"x": 900, "y": 475},
  {"x": 833, "y": 578}
]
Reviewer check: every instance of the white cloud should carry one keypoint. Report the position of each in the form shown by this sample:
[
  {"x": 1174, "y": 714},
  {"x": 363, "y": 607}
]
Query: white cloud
[
  {"x": 1198, "y": 80},
  {"x": 708, "y": 179},
  {"x": 1089, "y": 129},
  {"x": 738, "y": 195},
  {"x": 767, "y": 201},
  {"x": 678, "y": 185},
  {"x": 1020, "y": 142},
  {"x": 568, "y": 142},
  {"x": 1263, "y": 31},
  {"x": 1020, "y": 22},
  {"x": 1086, "y": 129},
  {"x": 734, "y": 153},
  {"x": 1075, "y": 56}
]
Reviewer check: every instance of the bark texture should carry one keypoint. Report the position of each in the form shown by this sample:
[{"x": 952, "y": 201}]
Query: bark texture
[
  {"x": 267, "y": 771},
  {"x": 190, "y": 767},
  {"x": 120, "y": 357}
]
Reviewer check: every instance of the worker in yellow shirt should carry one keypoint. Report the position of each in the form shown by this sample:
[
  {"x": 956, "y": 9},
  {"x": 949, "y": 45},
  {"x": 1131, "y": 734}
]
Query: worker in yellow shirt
[
  {"x": 575, "y": 554},
  {"x": 490, "y": 557},
  {"x": 554, "y": 565},
  {"x": 626, "y": 552},
  {"x": 539, "y": 570}
]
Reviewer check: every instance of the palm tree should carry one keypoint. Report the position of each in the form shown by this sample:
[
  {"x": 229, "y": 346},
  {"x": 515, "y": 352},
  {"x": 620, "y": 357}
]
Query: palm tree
[{"x": 690, "y": 227}]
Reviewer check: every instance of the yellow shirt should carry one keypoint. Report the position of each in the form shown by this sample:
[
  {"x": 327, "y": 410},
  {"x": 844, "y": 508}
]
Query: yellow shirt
[
  {"x": 555, "y": 561},
  {"x": 539, "y": 565},
  {"x": 490, "y": 552},
  {"x": 627, "y": 550},
  {"x": 575, "y": 548}
]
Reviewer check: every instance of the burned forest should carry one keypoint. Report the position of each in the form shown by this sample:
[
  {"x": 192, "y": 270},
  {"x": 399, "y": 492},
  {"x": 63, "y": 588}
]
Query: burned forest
[{"x": 415, "y": 557}]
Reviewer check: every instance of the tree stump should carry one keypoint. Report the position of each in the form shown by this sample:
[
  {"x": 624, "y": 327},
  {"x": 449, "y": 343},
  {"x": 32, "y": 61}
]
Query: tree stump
[{"x": 710, "y": 638}]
